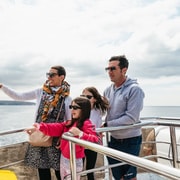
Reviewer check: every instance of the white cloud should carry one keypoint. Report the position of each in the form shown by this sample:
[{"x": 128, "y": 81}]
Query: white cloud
[{"x": 82, "y": 35}]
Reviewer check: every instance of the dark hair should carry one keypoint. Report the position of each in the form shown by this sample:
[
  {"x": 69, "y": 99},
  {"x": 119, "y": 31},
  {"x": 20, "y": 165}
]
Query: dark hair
[
  {"x": 101, "y": 102},
  {"x": 60, "y": 70},
  {"x": 85, "y": 106},
  {"x": 123, "y": 62}
]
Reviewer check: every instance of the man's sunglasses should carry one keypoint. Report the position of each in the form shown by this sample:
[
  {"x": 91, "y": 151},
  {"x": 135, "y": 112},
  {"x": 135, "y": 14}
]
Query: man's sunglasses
[
  {"x": 87, "y": 96},
  {"x": 112, "y": 68},
  {"x": 51, "y": 75},
  {"x": 74, "y": 107}
]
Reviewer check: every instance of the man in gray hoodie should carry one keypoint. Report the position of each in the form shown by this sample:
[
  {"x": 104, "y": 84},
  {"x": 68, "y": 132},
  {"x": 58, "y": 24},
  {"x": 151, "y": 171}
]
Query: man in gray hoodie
[{"x": 126, "y": 101}]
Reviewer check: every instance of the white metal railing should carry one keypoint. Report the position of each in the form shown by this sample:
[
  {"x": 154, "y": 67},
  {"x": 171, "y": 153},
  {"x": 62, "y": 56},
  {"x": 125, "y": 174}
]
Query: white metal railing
[{"x": 166, "y": 171}]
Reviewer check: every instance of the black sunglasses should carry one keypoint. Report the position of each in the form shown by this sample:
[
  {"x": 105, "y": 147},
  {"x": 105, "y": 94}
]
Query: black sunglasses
[
  {"x": 87, "y": 96},
  {"x": 74, "y": 107},
  {"x": 50, "y": 75},
  {"x": 112, "y": 68}
]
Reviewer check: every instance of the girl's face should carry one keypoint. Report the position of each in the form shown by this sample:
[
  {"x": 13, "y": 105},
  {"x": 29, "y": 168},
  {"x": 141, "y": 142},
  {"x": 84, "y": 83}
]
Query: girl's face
[
  {"x": 75, "y": 110},
  {"x": 90, "y": 96}
]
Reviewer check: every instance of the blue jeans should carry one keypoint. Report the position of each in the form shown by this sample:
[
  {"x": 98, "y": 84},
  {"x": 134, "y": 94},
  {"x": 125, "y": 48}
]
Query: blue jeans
[{"x": 130, "y": 146}]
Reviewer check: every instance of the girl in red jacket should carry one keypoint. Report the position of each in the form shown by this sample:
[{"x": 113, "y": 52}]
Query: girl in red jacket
[{"x": 80, "y": 126}]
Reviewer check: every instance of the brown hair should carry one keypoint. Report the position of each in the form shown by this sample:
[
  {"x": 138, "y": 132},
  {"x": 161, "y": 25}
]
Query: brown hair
[
  {"x": 101, "y": 102},
  {"x": 60, "y": 69}
]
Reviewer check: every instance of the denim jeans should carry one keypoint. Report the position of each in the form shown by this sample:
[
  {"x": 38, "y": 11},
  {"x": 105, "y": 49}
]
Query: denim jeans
[{"x": 130, "y": 146}]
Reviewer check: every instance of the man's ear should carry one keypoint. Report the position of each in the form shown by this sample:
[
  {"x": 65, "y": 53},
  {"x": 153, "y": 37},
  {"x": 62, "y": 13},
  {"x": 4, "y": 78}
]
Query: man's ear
[
  {"x": 124, "y": 70},
  {"x": 62, "y": 77}
]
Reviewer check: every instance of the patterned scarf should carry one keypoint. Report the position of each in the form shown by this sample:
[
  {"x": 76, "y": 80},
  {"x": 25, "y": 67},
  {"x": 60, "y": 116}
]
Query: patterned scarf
[{"x": 53, "y": 97}]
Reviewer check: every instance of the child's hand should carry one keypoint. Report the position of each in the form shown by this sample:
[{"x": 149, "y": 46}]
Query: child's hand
[
  {"x": 75, "y": 131},
  {"x": 36, "y": 125},
  {"x": 32, "y": 129}
]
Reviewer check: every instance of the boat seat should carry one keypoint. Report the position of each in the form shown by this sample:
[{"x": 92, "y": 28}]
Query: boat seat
[{"x": 7, "y": 175}]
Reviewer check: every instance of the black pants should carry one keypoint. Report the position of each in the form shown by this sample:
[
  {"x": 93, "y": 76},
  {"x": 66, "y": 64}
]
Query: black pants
[
  {"x": 91, "y": 157},
  {"x": 45, "y": 174}
]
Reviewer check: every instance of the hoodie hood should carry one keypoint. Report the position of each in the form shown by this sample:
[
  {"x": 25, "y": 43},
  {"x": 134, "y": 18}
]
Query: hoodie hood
[{"x": 128, "y": 82}]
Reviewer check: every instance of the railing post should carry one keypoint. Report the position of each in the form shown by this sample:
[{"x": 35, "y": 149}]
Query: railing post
[
  {"x": 107, "y": 139},
  {"x": 174, "y": 146},
  {"x": 73, "y": 160}
]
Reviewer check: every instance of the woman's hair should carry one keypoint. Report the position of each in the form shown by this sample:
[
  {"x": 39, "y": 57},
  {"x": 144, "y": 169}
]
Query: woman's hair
[
  {"x": 85, "y": 106},
  {"x": 101, "y": 102},
  {"x": 60, "y": 70}
]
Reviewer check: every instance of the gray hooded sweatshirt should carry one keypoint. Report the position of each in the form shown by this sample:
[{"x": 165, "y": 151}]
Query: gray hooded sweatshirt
[{"x": 126, "y": 102}]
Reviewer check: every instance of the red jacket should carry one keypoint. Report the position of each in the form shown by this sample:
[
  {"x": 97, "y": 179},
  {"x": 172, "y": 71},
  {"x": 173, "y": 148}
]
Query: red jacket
[{"x": 57, "y": 129}]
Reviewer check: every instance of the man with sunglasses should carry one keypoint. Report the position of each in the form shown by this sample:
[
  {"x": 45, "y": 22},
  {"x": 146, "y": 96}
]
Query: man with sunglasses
[
  {"x": 52, "y": 102},
  {"x": 126, "y": 102}
]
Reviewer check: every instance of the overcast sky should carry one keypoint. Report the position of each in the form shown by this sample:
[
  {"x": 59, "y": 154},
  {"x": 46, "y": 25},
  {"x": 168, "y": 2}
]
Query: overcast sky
[{"x": 82, "y": 35}]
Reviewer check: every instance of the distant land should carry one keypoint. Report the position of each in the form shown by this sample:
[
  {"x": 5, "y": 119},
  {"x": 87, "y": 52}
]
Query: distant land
[{"x": 5, "y": 102}]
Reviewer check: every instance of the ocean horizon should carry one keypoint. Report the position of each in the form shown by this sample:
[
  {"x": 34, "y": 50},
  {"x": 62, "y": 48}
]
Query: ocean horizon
[
  {"x": 13, "y": 117},
  {"x": 19, "y": 116}
]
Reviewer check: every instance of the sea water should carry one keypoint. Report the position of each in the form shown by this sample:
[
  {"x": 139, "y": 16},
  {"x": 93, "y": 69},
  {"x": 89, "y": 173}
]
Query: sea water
[
  {"x": 13, "y": 117},
  {"x": 161, "y": 111}
]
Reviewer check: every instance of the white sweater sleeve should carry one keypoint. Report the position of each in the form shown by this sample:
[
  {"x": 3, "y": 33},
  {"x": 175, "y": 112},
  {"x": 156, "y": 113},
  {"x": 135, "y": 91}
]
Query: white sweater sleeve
[
  {"x": 67, "y": 115},
  {"x": 21, "y": 96}
]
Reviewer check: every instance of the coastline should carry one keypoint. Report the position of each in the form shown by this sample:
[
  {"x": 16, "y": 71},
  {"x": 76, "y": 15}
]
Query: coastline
[{"x": 9, "y": 102}]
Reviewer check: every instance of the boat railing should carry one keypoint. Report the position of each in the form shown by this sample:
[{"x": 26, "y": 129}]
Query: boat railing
[
  {"x": 140, "y": 162},
  {"x": 172, "y": 123},
  {"x": 143, "y": 163}
]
